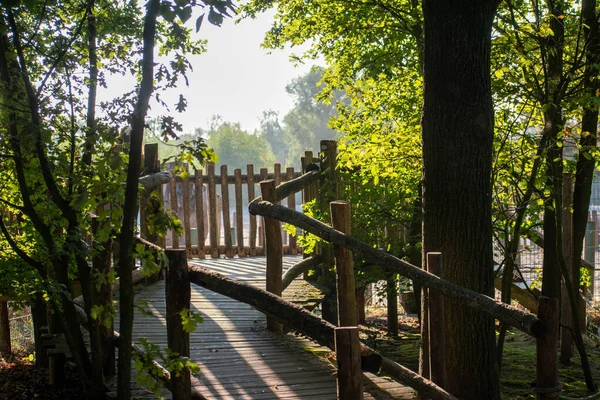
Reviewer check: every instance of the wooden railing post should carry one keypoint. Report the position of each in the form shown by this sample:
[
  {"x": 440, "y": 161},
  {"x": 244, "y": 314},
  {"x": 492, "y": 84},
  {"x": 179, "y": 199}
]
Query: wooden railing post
[
  {"x": 308, "y": 194},
  {"x": 347, "y": 350},
  {"x": 151, "y": 200},
  {"x": 547, "y": 387},
  {"x": 347, "y": 343},
  {"x": 328, "y": 191},
  {"x": 274, "y": 250},
  {"x": 174, "y": 209},
  {"x": 292, "y": 249},
  {"x": 40, "y": 319},
  {"x": 200, "y": 211},
  {"x": 177, "y": 296},
  {"x": 147, "y": 208},
  {"x": 437, "y": 344},
  {"x": 346, "y": 288},
  {"x": 187, "y": 229}
]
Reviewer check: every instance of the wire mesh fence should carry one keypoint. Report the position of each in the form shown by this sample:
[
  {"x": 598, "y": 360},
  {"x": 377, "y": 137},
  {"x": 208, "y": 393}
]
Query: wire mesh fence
[
  {"x": 21, "y": 332},
  {"x": 530, "y": 260}
]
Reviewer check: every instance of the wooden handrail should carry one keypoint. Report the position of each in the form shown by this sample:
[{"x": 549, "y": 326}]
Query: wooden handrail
[
  {"x": 311, "y": 325},
  {"x": 508, "y": 314},
  {"x": 295, "y": 185}
]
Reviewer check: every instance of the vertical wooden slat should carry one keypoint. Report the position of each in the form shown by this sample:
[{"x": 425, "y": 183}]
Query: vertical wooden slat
[
  {"x": 251, "y": 196},
  {"x": 291, "y": 203},
  {"x": 234, "y": 229},
  {"x": 187, "y": 228},
  {"x": 239, "y": 223},
  {"x": 175, "y": 209},
  {"x": 200, "y": 212},
  {"x": 274, "y": 251},
  {"x": 226, "y": 219},
  {"x": 212, "y": 211},
  {"x": 277, "y": 174}
]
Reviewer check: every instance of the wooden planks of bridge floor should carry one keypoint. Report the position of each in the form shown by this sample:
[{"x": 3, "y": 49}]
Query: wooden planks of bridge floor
[{"x": 238, "y": 358}]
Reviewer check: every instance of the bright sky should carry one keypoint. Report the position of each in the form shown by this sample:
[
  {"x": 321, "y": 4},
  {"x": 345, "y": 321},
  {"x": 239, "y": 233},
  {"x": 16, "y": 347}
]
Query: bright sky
[{"x": 235, "y": 78}]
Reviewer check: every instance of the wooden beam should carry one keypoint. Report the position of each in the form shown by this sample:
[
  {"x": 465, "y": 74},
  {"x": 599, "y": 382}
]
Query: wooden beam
[{"x": 274, "y": 249}]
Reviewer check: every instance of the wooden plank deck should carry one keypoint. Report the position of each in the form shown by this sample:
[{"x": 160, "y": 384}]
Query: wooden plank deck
[{"x": 238, "y": 358}]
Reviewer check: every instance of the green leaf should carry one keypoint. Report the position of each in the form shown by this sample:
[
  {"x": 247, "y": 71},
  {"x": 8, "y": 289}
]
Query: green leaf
[
  {"x": 215, "y": 18},
  {"x": 199, "y": 22}
]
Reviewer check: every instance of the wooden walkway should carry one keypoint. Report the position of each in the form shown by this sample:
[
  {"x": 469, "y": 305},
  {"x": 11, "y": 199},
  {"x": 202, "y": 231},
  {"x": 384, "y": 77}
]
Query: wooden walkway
[{"x": 238, "y": 358}]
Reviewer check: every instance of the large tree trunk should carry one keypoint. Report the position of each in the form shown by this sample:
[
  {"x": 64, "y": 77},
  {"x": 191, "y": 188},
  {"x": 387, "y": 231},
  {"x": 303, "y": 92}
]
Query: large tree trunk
[
  {"x": 589, "y": 127},
  {"x": 458, "y": 128}
]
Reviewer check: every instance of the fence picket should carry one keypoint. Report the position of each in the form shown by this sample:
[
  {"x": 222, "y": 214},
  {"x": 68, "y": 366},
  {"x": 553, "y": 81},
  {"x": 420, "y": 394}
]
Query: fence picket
[
  {"x": 208, "y": 203},
  {"x": 239, "y": 222},
  {"x": 226, "y": 218},
  {"x": 251, "y": 196},
  {"x": 200, "y": 211},
  {"x": 187, "y": 228},
  {"x": 175, "y": 209},
  {"x": 212, "y": 207}
]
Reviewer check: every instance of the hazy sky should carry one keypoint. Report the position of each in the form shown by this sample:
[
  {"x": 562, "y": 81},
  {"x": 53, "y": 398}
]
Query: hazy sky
[{"x": 236, "y": 78}]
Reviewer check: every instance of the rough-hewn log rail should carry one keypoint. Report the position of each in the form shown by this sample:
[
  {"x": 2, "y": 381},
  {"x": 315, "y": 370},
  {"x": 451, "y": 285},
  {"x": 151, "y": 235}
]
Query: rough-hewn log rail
[
  {"x": 311, "y": 325},
  {"x": 153, "y": 180},
  {"x": 300, "y": 268},
  {"x": 512, "y": 316}
]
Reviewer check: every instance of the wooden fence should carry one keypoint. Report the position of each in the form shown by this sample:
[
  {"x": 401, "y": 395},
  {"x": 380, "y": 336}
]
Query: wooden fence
[{"x": 212, "y": 205}]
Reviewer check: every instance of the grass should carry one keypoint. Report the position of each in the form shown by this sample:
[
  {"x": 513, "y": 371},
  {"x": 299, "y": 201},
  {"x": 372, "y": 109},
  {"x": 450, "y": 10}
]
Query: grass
[{"x": 518, "y": 366}]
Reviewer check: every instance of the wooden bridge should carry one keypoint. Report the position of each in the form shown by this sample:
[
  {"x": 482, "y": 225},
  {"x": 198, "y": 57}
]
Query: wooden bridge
[{"x": 238, "y": 357}]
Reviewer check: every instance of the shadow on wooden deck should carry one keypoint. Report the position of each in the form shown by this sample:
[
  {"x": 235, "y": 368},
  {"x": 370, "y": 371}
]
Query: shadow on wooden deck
[{"x": 238, "y": 358}]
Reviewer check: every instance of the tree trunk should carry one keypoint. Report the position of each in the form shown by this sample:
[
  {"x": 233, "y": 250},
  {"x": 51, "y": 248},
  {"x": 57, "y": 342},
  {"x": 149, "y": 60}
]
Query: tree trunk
[
  {"x": 458, "y": 128},
  {"x": 5, "y": 347},
  {"x": 40, "y": 318},
  {"x": 589, "y": 127},
  {"x": 131, "y": 201}
]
